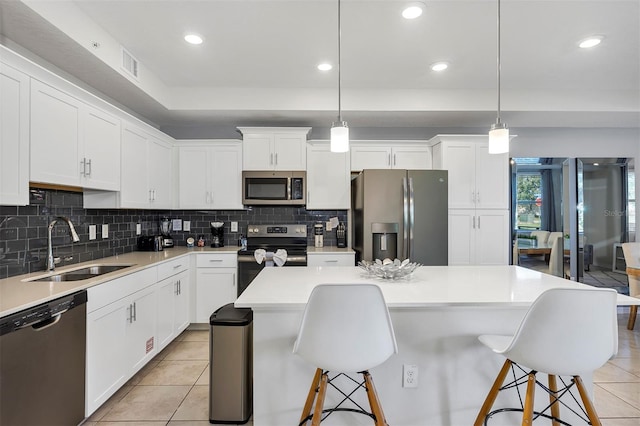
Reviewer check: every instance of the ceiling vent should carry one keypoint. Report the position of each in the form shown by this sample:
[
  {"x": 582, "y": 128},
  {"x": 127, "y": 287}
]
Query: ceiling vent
[{"x": 129, "y": 63}]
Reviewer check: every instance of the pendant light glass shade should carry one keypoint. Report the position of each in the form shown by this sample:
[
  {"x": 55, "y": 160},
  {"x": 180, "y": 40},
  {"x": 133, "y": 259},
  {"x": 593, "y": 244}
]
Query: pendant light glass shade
[
  {"x": 499, "y": 133},
  {"x": 339, "y": 129},
  {"x": 498, "y": 139},
  {"x": 339, "y": 137}
]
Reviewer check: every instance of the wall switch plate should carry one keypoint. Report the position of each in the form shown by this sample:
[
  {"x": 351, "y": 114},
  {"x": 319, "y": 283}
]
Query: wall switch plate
[
  {"x": 234, "y": 226},
  {"x": 105, "y": 231},
  {"x": 186, "y": 225},
  {"x": 138, "y": 228},
  {"x": 328, "y": 226},
  {"x": 92, "y": 232},
  {"x": 409, "y": 376}
]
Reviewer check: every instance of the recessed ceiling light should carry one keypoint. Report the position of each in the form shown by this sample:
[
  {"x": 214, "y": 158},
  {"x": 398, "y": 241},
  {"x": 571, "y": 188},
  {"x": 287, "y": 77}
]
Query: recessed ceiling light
[
  {"x": 439, "y": 66},
  {"x": 590, "y": 42},
  {"x": 325, "y": 67},
  {"x": 413, "y": 10},
  {"x": 193, "y": 39}
]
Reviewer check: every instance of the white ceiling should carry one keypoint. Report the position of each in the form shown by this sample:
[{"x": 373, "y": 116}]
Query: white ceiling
[{"x": 257, "y": 65}]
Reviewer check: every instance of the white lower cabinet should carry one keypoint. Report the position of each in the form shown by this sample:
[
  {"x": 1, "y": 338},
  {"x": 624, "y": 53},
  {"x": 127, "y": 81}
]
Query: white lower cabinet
[
  {"x": 172, "y": 296},
  {"x": 331, "y": 259},
  {"x": 478, "y": 237},
  {"x": 121, "y": 316},
  {"x": 216, "y": 283}
]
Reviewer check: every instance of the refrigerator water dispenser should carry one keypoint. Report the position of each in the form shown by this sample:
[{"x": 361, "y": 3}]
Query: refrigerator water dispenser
[{"x": 385, "y": 240}]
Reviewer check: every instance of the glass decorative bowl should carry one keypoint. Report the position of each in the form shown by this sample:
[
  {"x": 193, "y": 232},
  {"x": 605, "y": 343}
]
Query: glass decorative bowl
[{"x": 389, "y": 269}]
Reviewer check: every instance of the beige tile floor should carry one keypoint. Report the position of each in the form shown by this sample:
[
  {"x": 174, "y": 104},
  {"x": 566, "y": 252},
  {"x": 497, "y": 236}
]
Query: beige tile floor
[{"x": 173, "y": 388}]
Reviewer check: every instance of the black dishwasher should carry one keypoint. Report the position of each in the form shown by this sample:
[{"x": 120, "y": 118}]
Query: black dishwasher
[{"x": 42, "y": 363}]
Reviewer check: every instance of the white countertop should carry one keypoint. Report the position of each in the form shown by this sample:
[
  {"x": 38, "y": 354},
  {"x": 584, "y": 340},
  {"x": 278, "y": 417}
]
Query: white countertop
[
  {"x": 286, "y": 288},
  {"x": 18, "y": 293}
]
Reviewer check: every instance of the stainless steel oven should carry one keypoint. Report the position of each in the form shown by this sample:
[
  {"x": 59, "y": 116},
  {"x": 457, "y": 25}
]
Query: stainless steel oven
[{"x": 290, "y": 237}]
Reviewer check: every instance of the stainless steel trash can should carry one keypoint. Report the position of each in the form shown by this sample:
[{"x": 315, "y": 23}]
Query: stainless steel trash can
[{"x": 230, "y": 365}]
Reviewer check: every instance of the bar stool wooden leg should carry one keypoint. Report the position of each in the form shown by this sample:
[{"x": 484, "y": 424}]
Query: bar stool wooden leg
[
  {"x": 553, "y": 399},
  {"x": 374, "y": 402},
  {"x": 588, "y": 405},
  {"x": 633, "y": 312},
  {"x": 493, "y": 394},
  {"x": 527, "y": 415},
  {"x": 317, "y": 412},
  {"x": 311, "y": 396}
]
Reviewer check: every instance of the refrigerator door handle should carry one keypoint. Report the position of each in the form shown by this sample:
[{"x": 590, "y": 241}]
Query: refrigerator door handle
[
  {"x": 405, "y": 219},
  {"x": 412, "y": 212}
]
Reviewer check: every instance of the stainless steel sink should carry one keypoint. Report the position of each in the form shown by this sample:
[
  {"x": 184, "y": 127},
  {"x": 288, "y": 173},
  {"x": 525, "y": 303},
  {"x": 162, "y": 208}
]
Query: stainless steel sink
[{"x": 83, "y": 273}]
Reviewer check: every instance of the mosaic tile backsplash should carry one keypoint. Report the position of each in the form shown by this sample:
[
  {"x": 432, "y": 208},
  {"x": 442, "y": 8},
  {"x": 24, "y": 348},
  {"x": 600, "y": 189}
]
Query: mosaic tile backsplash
[{"x": 23, "y": 229}]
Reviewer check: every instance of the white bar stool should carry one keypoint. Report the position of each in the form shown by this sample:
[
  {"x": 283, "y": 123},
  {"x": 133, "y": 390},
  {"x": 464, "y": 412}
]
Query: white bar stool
[
  {"x": 566, "y": 332},
  {"x": 346, "y": 328}
]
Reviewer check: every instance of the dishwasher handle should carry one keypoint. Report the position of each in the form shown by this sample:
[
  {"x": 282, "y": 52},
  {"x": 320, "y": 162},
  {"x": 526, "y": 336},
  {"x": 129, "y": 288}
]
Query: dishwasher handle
[{"x": 48, "y": 322}]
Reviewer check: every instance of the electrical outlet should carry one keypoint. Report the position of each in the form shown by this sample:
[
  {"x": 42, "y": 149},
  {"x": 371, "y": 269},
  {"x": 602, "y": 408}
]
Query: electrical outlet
[
  {"x": 186, "y": 225},
  {"x": 92, "y": 232},
  {"x": 105, "y": 231},
  {"x": 138, "y": 228},
  {"x": 328, "y": 226},
  {"x": 409, "y": 376},
  {"x": 234, "y": 226}
]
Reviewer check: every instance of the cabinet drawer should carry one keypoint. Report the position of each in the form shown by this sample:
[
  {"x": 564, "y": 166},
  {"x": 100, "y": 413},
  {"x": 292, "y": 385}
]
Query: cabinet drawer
[
  {"x": 110, "y": 291},
  {"x": 332, "y": 259},
  {"x": 172, "y": 267},
  {"x": 216, "y": 260}
]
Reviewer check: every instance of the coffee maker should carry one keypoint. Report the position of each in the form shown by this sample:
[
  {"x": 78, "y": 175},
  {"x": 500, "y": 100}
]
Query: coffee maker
[
  {"x": 217, "y": 234},
  {"x": 165, "y": 230}
]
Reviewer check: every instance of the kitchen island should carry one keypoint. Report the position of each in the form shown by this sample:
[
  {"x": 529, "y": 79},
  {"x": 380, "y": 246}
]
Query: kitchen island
[{"x": 437, "y": 315}]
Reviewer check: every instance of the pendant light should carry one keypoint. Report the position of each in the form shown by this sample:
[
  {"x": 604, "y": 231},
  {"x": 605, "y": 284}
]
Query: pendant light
[
  {"x": 339, "y": 129},
  {"x": 499, "y": 133}
]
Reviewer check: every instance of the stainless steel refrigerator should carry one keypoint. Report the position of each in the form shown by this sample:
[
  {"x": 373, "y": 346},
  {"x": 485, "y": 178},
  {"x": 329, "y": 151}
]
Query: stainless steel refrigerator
[{"x": 400, "y": 214}]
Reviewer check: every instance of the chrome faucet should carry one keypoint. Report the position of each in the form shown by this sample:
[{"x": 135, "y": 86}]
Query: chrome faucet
[{"x": 51, "y": 264}]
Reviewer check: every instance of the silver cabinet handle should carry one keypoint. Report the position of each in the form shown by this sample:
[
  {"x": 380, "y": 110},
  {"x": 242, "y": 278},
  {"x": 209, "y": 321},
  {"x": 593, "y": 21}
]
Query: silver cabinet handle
[
  {"x": 215, "y": 260},
  {"x": 234, "y": 279},
  {"x": 83, "y": 163},
  {"x": 135, "y": 313},
  {"x": 150, "y": 196},
  {"x": 478, "y": 197},
  {"x": 130, "y": 314},
  {"x": 177, "y": 266},
  {"x": 388, "y": 159},
  {"x": 332, "y": 260},
  {"x": 394, "y": 159},
  {"x": 88, "y": 163},
  {"x": 478, "y": 222},
  {"x": 474, "y": 222}
]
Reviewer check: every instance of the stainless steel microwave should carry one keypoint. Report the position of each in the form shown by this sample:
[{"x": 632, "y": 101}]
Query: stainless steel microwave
[{"x": 274, "y": 188}]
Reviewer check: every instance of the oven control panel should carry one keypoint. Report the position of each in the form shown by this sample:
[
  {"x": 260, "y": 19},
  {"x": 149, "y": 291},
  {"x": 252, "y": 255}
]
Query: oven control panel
[{"x": 294, "y": 230}]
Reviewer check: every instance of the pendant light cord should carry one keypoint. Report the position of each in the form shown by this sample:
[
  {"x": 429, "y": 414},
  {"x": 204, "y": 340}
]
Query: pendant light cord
[
  {"x": 339, "y": 66},
  {"x": 499, "y": 63}
]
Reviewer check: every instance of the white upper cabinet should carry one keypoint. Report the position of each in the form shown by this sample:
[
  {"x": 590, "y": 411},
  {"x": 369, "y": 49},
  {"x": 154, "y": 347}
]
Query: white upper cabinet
[
  {"x": 274, "y": 148},
  {"x": 328, "y": 178},
  {"x": 210, "y": 175},
  {"x": 72, "y": 143},
  {"x": 14, "y": 136},
  {"x": 477, "y": 179},
  {"x": 146, "y": 173},
  {"x": 390, "y": 155}
]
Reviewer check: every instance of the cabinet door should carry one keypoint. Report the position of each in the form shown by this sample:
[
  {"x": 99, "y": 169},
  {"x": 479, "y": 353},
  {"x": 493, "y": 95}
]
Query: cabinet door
[
  {"x": 100, "y": 159},
  {"x": 290, "y": 152},
  {"x": 257, "y": 152},
  {"x": 492, "y": 179},
  {"x": 134, "y": 190},
  {"x": 181, "y": 303},
  {"x": 166, "y": 292},
  {"x": 14, "y": 137},
  {"x": 461, "y": 237},
  {"x": 160, "y": 176},
  {"x": 215, "y": 287},
  {"x": 106, "y": 372},
  {"x": 492, "y": 240},
  {"x": 226, "y": 177},
  {"x": 194, "y": 170},
  {"x": 459, "y": 160},
  {"x": 141, "y": 328},
  {"x": 412, "y": 158},
  {"x": 370, "y": 157},
  {"x": 55, "y": 121},
  {"x": 327, "y": 190}
]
